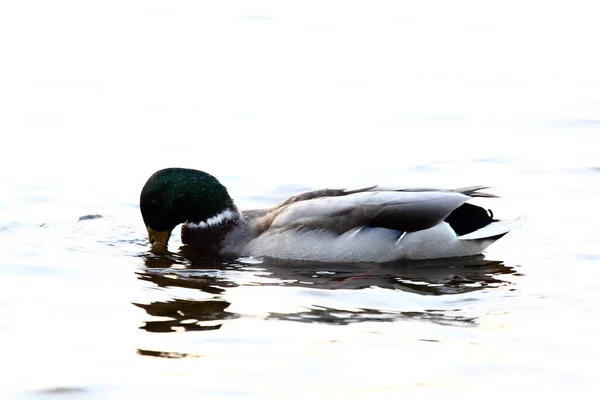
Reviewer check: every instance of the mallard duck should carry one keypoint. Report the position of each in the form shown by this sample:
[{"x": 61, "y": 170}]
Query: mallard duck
[{"x": 329, "y": 225}]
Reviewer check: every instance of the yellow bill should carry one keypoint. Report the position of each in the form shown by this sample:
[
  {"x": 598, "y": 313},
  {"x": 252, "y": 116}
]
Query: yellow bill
[{"x": 158, "y": 241}]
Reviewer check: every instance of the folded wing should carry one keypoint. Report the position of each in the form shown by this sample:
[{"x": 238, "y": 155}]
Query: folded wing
[{"x": 397, "y": 210}]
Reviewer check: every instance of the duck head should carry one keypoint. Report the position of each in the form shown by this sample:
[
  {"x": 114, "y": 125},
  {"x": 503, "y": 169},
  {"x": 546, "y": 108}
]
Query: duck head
[{"x": 178, "y": 195}]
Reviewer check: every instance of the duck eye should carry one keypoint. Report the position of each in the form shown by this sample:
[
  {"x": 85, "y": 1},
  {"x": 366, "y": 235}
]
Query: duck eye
[{"x": 152, "y": 240}]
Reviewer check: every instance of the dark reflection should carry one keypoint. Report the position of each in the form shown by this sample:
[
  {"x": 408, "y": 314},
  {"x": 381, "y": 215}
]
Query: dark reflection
[
  {"x": 431, "y": 277},
  {"x": 164, "y": 354},
  {"x": 428, "y": 278},
  {"x": 344, "y": 317},
  {"x": 215, "y": 276},
  {"x": 186, "y": 279},
  {"x": 187, "y": 257},
  {"x": 173, "y": 271},
  {"x": 186, "y": 315}
]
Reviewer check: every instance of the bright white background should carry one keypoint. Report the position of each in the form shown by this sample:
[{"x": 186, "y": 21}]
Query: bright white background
[{"x": 274, "y": 97}]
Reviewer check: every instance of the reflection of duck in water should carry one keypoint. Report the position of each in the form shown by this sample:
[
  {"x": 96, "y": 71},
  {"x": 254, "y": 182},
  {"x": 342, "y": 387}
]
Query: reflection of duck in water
[
  {"x": 429, "y": 278},
  {"x": 327, "y": 225},
  {"x": 185, "y": 314},
  {"x": 426, "y": 277}
]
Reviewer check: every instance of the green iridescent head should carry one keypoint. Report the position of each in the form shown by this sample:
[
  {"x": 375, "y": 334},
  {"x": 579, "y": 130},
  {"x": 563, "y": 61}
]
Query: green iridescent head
[{"x": 176, "y": 195}]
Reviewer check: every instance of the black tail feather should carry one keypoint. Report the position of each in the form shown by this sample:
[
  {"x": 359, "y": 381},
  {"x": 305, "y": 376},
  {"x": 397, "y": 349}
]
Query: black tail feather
[{"x": 468, "y": 218}]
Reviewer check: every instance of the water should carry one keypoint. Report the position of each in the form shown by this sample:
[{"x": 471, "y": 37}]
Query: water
[{"x": 273, "y": 99}]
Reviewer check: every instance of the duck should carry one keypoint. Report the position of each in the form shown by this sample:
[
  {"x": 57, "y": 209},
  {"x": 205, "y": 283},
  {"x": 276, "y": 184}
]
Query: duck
[{"x": 368, "y": 224}]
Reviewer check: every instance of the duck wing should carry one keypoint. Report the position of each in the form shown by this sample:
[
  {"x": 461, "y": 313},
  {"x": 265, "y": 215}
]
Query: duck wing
[
  {"x": 471, "y": 191},
  {"x": 312, "y": 194},
  {"x": 405, "y": 211}
]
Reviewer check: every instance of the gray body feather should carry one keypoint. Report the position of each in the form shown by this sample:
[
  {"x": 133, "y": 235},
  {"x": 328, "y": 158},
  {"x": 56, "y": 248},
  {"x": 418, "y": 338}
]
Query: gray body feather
[{"x": 362, "y": 225}]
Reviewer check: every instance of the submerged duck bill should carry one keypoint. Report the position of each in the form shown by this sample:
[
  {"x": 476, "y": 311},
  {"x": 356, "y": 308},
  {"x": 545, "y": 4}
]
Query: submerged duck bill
[{"x": 158, "y": 241}]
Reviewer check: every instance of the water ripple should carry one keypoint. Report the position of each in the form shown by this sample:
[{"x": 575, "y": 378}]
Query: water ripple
[{"x": 217, "y": 283}]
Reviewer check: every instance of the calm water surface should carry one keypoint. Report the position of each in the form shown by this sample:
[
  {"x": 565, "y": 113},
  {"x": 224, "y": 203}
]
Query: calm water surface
[{"x": 273, "y": 100}]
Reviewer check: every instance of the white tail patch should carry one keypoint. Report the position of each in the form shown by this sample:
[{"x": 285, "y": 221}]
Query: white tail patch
[
  {"x": 493, "y": 229},
  {"x": 227, "y": 215}
]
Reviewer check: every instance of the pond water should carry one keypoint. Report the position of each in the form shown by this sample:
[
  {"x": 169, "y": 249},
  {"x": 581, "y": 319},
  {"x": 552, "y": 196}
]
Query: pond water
[{"x": 274, "y": 99}]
